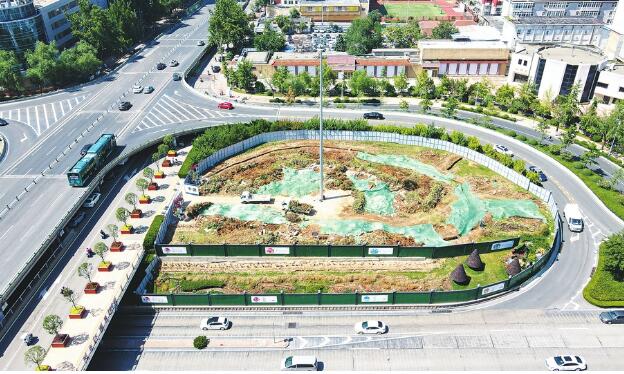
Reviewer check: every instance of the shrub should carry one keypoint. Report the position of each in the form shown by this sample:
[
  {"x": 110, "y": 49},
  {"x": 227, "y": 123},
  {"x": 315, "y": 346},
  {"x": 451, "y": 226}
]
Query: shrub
[
  {"x": 567, "y": 156},
  {"x": 605, "y": 183},
  {"x": 200, "y": 342},
  {"x": 292, "y": 217},
  {"x": 434, "y": 196},
  {"x": 187, "y": 285},
  {"x": 532, "y": 142},
  {"x": 474, "y": 143},
  {"x": 606, "y": 289},
  {"x": 152, "y": 232},
  {"x": 578, "y": 165},
  {"x": 519, "y": 166},
  {"x": 409, "y": 184},
  {"x": 359, "y": 203},
  {"x": 300, "y": 208},
  {"x": 511, "y": 133},
  {"x": 277, "y": 100},
  {"x": 194, "y": 210},
  {"x": 457, "y": 137},
  {"x": 596, "y": 138},
  {"x": 554, "y": 149},
  {"x": 522, "y": 138}
]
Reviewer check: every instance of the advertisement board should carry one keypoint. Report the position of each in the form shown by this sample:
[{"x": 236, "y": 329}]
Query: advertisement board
[
  {"x": 277, "y": 250},
  {"x": 263, "y": 299},
  {"x": 380, "y": 251},
  {"x": 174, "y": 250},
  {"x": 493, "y": 288},
  {"x": 502, "y": 245},
  {"x": 154, "y": 299},
  {"x": 374, "y": 298}
]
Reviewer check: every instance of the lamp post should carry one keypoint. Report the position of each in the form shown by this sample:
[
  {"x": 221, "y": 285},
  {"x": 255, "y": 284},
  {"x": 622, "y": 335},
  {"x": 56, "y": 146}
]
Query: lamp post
[{"x": 320, "y": 73}]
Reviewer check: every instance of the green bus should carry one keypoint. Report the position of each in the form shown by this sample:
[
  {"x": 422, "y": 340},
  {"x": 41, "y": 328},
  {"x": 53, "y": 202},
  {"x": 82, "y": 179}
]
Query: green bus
[{"x": 82, "y": 171}]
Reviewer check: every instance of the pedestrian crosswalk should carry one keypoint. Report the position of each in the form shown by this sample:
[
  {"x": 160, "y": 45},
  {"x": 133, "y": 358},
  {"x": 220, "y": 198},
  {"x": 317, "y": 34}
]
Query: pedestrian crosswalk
[
  {"x": 42, "y": 117},
  {"x": 168, "y": 111}
]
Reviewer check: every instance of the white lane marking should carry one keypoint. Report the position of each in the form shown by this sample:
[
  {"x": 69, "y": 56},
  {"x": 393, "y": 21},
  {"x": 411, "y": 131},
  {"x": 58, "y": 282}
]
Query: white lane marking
[
  {"x": 24, "y": 138},
  {"x": 19, "y": 115},
  {"x": 28, "y": 118},
  {"x": 162, "y": 115},
  {"x": 69, "y": 104},
  {"x": 36, "y": 109},
  {"x": 54, "y": 112},
  {"x": 62, "y": 109},
  {"x": 77, "y": 102},
  {"x": 164, "y": 102},
  {"x": 45, "y": 113},
  {"x": 176, "y": 119},
  {"x": 575, "y": 237}
]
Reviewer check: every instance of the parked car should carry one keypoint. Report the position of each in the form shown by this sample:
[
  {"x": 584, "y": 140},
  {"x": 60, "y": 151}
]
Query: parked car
[
  {"x": 77, "y": 220},
  {"x": 215, "y": 323},
  {"x": 148, "y": 90},
  {"x": 137, "y": 89},
  {"x": 566, "y": 363},
  {"x": 373, "y": 115},
  {"x": 92, "y": 200},
  {"x": 612, "y": 317},
  {"x": 85, "y": 149},
  {"x": 161, "y": 66},
  {"x": 124, "y": 105},
  {"x": 504, "y": 150},
  {"x": 300, "y": 363},
  {"x": 225, "y": 105},
  {"x": 173, "y": 63},
  {"x": 201, "y": 43},
  {"x": 176, "y": 77},
  {"x": 3, "y": 122},
  {"x": 371, "y": 327},
  {"x": 216, "y": 68},
  {"x": 542, "y": 177}
]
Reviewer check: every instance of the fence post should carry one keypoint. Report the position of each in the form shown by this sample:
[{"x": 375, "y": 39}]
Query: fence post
[
  {"x": 225, "y": 251},
  {"x": 245, "y": 298},
  {"x": 393, "y": 297},
  {"x": 357, "y": 299},
  {"x": 191, "y": 249},
  {"x": 259, "y": 251},
  {"x": 294, "y": 251},
  {"x": 209, "y": 299},
  {"x": 479, "y": 288},
  {"x": 282, "y": 297},
  {"x": 430, "y": 296},
  {"x": 329, "y": 250},
  {"x": 318, "y": 297},
  {"x": 363, "y": 251},
  {"x": 172, "y": 299}
]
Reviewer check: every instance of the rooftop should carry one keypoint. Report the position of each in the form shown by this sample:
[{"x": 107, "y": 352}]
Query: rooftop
[
  {"x": 257, "y": 57},
  {"x": 557, "y": 21},
  {"x": 477, "y": 32},
  {"x": 573, "y": 55},
  {"x": 474, "y": 44},
  {"x": 616, "y": 69},
  {"x": 329, "y": 3}
]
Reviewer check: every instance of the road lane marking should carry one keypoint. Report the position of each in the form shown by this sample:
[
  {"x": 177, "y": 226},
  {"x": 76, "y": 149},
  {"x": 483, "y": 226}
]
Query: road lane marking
[
  {"x": 45, "y": 113},
  {"x": 54, "y": 112},
  {"x": 24, "y": 138}
]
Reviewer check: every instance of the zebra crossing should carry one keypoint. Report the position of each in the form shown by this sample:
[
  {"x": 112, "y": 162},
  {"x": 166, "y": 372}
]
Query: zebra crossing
[
  {"x": 41, "y": 117},
  {"x": 168, "y": 110}
]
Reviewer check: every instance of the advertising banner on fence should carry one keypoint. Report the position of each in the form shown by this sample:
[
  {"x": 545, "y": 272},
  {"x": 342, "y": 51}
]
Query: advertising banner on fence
[
  {"x": 503, "y": 245},
  {"x": 493, "y": 288},
  {"x": 174, "y": 250},
  {"x": 277, "y": 250},
  {"x": 263, "y": 299},
  {"x": 380, "y": 251},
  {"x": 374, "y": 298},
  {"x": 154, "y": 299}
]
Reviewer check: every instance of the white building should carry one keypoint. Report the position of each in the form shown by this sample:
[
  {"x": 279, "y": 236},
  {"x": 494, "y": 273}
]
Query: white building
[
  {"x": 555, "y": 70},
  {"x": 54, "y": 14},
  {"x": 610, "y": 85},
  {"x": 614, "y": 45}
]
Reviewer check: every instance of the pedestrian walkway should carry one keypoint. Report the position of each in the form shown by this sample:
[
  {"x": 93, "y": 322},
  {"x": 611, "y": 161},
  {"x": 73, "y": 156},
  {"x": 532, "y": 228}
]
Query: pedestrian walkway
[
  {"x": 86, "y": 333},
  {"x": 41, "y": 117}
]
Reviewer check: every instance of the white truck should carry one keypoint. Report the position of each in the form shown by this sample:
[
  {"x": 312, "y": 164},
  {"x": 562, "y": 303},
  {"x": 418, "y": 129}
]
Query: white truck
[
  {"x": 247, "y": 197},
  {"x": 573, "y": 217}
]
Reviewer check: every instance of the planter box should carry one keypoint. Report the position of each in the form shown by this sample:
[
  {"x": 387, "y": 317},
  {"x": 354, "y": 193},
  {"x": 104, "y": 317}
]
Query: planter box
[
  {"x": 152, "y": 186},
  {"x": 92, "y": 288},
  {"x": 126, "y": 230},
  {"x": 166, "y": 163},
  {"x": 60, "y": 341},
  {"x": 172, "y": 153},
  {"x": 43, "y": 368},
  {"x": 105, "y": 266},
  {"x": 145, "y": 200},
  {"x": 160, "y": 175},
  {"x": 137, "y": 213},
  {"x": 117, "y": 247},
  {"x": 77, "y": 313}
]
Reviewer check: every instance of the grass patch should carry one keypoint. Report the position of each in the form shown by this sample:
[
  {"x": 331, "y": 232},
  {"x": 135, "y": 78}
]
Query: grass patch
[
  {"x": 603, "y": 289},
  {"x": 411, "y": 10}
]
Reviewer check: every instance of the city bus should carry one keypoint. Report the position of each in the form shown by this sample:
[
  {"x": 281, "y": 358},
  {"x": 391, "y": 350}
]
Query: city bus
[{"x": 89, "y": 164}]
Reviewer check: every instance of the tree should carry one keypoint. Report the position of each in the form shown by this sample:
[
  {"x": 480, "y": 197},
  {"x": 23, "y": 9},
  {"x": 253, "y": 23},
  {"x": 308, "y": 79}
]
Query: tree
[
  {"x": 243, "y": 77},
  {"x": 125, "y": 23},
  {"x": 200, "y": 342},
  {"x": 100, "y": 249},
  {"x": 69, "y": 294},
  {"x": 481, "y": 92},
  {"x": 113, "y": 230},
  {"x": 360, "y": 83},
  {"x": 169, "y": 141},
  {"x": 403, "y": 36},
  {"x": 444, "y": 30},
  {"x": 142, "y": 185},
  {"x": 35, "y": 355},
  {"x": 93, "y": 25},
  {"x": 52, "y": 324},
  {"x": 400, "y": 83},
  {"x": 85, "y": 270},
  {"x": 43, "y": 66},
  {"x": 590, "y": 158},
  {"x": 10, "y": 76},
  {"x": 341, "y": 44},
  {"x": 613, "y": 251},
  {"x": 228, "y": 25},
  {"x": 424, "y": 87},
  {"x": 505, "y": 95},
  {"x": 527, "y": 97},
  {"x": 363, "y": 35},
  {"x": 450, "y": 108},
  {"x": 615, "y": 122},
  {"x": 270, "y": 40},
  {"x": 542, "y": 127},
  {"x": 294, "y": 13},
  {"x": 280, "y": 79},
  {"x": 566, "y": 109},
  {"x": 403, "y": 105},
  {"x": 329, "y": 79},
  {"x": 285, "y": 23},
  {"x": 425, "y": 105},
  {"x": 79, "y": 62},
  {"x": 122, "y": 215},
  {"x": 148, "y": 173},
  {"x": 132, "y": 199}
]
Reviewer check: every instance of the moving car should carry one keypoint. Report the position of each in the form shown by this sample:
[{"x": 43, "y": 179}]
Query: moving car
[
  {"x": 176, "y": 77},
  {"x": 85, "y": 149},
  {"x": 612, "y": 317},
  {"x": 161, "y": 66},
  {"x": 174, "y": 63},
  {"x": 371, "y": 327},
  {"x": 373, "y": 115},
  {"x": 573, "y": 217},
  {"x": 542, "y": 177},
  {"x": 137, "y": 89},
  {"x": 225, "y": 105},
  {"x": 77, "y": 219},
  {"x": 201, "y": 43},
  {"x": 148, "y": 90},
  {"x": 92, "y": 200},
  {"x": 566, "y": 363},
  {"x": 504, "y": 150},
  {"x": 300, "y": 363},
  {"x": 124, "y": 105},
  {"x": 215, "y": 323},
  {"x": 3, "y": 122}
]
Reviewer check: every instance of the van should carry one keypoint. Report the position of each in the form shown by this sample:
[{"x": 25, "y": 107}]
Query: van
[
  {"x": 300, "y": 363},
  {"x": 573, "y": 217}
]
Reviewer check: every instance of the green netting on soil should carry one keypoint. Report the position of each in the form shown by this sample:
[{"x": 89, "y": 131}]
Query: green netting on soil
[
  {"x": 401, "y": 161},
  {"x": 294, "y": 183},
  {"x": 379, "y": 198},
  {"x": 501, "y": 209},
  {"x": 421, "y": 233},
  {"x": 249, "y": 212}
]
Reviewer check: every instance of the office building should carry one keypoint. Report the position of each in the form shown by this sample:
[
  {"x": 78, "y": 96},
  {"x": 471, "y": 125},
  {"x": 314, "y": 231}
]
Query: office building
[{"x": 20, "y": 25}]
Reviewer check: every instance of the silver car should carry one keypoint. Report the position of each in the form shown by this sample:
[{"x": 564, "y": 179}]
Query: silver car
[
  {"x": 215, "y": 323},
  {"x": 566, "y": 363},
  {"x": 371, "y": 327}
]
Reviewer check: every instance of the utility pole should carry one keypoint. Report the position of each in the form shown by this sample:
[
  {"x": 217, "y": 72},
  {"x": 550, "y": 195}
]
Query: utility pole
[{"x": 320, "y": 73}]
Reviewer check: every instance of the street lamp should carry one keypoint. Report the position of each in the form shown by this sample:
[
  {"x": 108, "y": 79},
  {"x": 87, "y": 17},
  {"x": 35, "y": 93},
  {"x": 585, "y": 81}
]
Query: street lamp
[{"x": 320, "y": 73}]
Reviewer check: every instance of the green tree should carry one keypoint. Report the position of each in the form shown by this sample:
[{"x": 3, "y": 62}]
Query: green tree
[
  {"x": 43, "y": 65},
  {"x": 425, "y": 105},
  {"x": 100, "y": 249},
  {"x": 113, "y": 230},
  {"x": 124, "y": 22},
  {"x": 360, "y": 83},
  {"x": 400, "y": 83},
  {"x": 79, "y": 62},
  {"x": 285, "y": 23},
  {"x": 92, "y": 25},
  {"x": 270, "y": 40},
  {"x": 35, "y": 355},
  {"x": 10, "y": 76},
  {"x": 527, "y": 97},
  {"x": 363, "y": 35},
  {"x": 122, "y": 215},
  {"x": 542, "y": 127},
  {"x": 228, "y": 25},
  {"x": 280, "y": 79},
  {"x": 444, "y": 30},
  {"x": 615, "y": 124},
  {"x": 450, "y": 108},
  {"x": 52, "y": 324},
  {"x": 613, "y": 250},
  {"x": 142, "y": 185},
  {"x": 329, "y": 79},
  {"x": 590, "y": 158},
  {"x": 85, "y": 270},
  {"x": 403, "y": 105},
  {"x": 294, "y": 13},
  {"x": 148, "y": 173},
  {"x": 481, "y": 92},
  {"x": 132, "y": 199},
  {"x": 69, "y": 294},
  {"x": 402, "y": 36},
  {"x": 566, "y": 109},
  {"x": 505, "y": 95},
  {"x": 169, "y": 141},
  {"x": 243, "y": 77},
  {"x": 341, "y": 44},
  {"x": 424, "y": 87}
]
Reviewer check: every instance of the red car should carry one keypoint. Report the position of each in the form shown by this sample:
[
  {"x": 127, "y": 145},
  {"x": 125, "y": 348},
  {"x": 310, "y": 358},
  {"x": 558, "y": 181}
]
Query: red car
[{"x": 225, "y": 105}]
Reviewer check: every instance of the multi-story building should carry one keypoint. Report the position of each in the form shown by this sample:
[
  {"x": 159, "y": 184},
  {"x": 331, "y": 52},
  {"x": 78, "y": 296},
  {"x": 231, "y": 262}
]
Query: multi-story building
[
  {"x": 614, "y": 45},
  {"x": 20, "y": 25},
  {"x": 487, "y": 7},
  {"x": 464, "y": 58},
  {"x": 333, "y": 10},
  {"x": 610, "y": 85},
  {"x": 56, "y": 23}
]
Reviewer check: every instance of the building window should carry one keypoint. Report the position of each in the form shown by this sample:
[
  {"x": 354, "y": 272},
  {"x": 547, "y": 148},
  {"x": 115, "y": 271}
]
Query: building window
[
  {"x": 559, "y": 13},
  {"x": 621, "y": 89},
  {"x": 568, "y": 79},
  {"x": 603, "y": 85},
  {"x": 524, "y": 63},
  {"x": 590, "y": 83},
  {"x": 588, "y": 13},
  {"x": 541, "y": 64},
  {"x": 556, "y": 5}
]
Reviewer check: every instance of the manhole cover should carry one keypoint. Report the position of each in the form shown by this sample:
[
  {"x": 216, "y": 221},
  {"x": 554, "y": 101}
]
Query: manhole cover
[{"x": 292, "y": 325}]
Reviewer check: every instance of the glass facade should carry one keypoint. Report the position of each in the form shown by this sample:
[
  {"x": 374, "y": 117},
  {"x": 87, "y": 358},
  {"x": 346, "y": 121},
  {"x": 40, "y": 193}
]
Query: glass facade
[
  {"x": 21, "y": 25},
  {"x": 568, "y": 79}
]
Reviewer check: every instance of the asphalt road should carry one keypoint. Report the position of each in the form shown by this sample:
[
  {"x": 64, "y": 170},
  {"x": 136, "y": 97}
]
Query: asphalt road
[{"x": 420, "y": 340}]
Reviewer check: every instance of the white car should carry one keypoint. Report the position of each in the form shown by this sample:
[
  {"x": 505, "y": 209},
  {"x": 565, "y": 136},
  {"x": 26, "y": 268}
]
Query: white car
[
  {"x": 300, "y": 363},
  {"x": 215, "y": 323},
  {"x": 566, "y": 363},
  {"x": 92, "y": 200},
  {"x": 504, "y": 150},
  {"x": 137, "y": 89},
  {"x": 371, "y": 327}
]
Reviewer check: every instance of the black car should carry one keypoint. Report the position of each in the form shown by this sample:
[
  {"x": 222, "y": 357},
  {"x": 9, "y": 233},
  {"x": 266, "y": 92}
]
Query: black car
[
  {"x": 3, "y": 122},
  {"x": 612, "y": 317},
  {"x": 177, "y": 77},
  {"x": 124, "y": 105},
  {"x": 373, "y": 115},
  {"x": 161, "y": 66},
  {"x": 542, "y": 177},
  {"x": 84, "y": 149}
]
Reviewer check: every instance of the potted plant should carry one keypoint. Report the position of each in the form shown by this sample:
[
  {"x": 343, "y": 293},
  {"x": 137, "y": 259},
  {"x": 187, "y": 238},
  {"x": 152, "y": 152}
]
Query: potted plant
[
  {"x": 162, "y": 151},
  {"x": 168, "y": 141},
  {"x": 149, "y": 174},
  {"x": 132, "y": 199},
  {"x": 142, "y": 184},
  {"x": 159, "y": 174},
  {"x": 122, "y": 214},
  {"x": 52, "y": 324},
  {"x": 100, "y": 249},
  {"x": 85, "y": 270},
  {"x": 36, "y": 355},
  {"x": 76, "y": 311},
  {"x": 113, "y": 230}
]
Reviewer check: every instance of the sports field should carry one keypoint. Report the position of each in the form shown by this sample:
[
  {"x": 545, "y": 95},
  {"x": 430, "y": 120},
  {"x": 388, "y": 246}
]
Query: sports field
[{"x": 415, "y": 10}]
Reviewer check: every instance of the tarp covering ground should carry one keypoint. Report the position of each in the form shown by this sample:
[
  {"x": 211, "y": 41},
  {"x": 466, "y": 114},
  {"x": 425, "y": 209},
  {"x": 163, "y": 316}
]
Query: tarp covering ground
[
  {"x": 405, "y": 162},
  {"x": 294, "y": 183},
  {"x": 379, "y": 198}
]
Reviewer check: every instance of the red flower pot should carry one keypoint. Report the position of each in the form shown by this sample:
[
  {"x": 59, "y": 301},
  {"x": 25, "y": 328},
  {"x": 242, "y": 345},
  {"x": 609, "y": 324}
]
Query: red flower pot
[
  {"x": 137, "y": 213},
  {"x": 92, "y": 288},
  {"x": 152, "y": 186},
  {"x": 60, "y": 341},
  {"x": 166, "y": 163},
  {"x": 126, "y": 230},
  {"x": 145, "y": 201},
  {"x": 117, "y": 247},
  {"x": 159, "y": 176}
]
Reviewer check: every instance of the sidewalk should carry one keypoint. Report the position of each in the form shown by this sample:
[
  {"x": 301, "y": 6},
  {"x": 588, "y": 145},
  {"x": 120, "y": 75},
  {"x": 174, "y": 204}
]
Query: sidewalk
[{"x": 86, "y": 333}]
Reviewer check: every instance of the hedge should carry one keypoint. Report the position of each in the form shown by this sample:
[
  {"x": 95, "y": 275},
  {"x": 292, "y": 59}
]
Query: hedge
[
  {"x": 152, "y": 232},
  {"x": 603, "y": 290}
]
